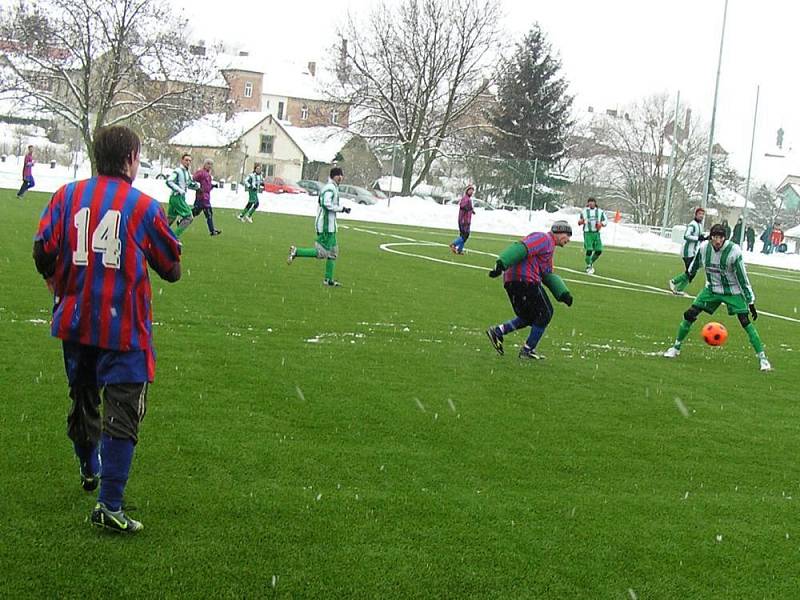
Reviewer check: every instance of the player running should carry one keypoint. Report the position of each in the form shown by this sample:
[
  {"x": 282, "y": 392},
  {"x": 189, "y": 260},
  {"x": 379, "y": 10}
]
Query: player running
[
  {"x": 726, "y": 283},
  {"x": 326, "y": 246},
  {"x": 253, "y": 183},
  {"x": 179, "y": 182},
  {"x": 526, "y": 263},
  {"x": 691, "y": 239}
]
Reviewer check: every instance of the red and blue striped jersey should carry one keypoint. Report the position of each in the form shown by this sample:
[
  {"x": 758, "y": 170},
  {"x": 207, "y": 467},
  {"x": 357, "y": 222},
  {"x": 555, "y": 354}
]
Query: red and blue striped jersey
[
  {"x": 105, "y": 233},
  {"x": 538, "y": 262}
]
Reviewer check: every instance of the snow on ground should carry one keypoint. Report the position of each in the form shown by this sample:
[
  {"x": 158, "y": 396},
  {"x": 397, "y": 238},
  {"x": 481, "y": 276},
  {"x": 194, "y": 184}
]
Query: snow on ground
[{"x": 400, "y": 210}]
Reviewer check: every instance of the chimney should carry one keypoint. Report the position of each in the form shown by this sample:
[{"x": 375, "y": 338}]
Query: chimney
[{"x": 312, "y": 68}]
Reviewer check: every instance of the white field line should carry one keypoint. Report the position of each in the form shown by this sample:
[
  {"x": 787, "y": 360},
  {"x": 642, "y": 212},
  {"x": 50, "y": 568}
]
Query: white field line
[{"x": 623, "y": 285}]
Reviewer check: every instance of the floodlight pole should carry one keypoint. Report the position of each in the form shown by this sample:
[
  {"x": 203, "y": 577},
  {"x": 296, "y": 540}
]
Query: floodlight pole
[
  {"x": 749, "y": 169},
  {"x": 672, "y": 154},
  {"x": 533, "y": 187},
  {"x": 707, "y": 184}
]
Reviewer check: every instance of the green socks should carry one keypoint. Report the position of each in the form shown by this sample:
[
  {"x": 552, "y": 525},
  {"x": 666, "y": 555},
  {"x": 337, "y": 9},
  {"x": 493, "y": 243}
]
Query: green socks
[
  {"x": 683, "y": 331},
  {"x": 755, "y": 340},
  {"x": 329, "y": 266}
]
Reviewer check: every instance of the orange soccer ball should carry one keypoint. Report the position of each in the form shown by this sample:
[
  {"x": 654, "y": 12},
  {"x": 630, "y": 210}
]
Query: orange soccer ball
[{"x": 714, "y": 334}]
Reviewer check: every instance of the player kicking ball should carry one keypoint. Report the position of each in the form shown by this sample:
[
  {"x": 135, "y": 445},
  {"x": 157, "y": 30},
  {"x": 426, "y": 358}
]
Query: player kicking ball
[{"x": 726, "y": 283}]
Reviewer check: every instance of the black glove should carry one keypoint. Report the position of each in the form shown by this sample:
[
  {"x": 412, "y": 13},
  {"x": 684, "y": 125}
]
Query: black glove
[
  {"x": 346, "y": 209},
  {"x": 702, "y": 238},
  {"x": 497, "y": 271},
  {"x": 567, "y": 299},
  {"x": 753, "y": 311}
]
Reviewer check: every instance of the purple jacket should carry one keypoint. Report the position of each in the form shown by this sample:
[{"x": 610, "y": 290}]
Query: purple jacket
[
  {"x": 27, "y": 165},
  {"x": 203, "y": 195},
  {"x": 465, "y": 212}
]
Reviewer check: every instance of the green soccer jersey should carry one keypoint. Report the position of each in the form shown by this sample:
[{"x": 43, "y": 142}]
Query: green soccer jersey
[
  {"x": 591, "y": 217},
  {"x": 253, "y": 182},
  {"x": 725, "y": 272},
  {"x": 328, "y": 208},
  {"x": 691, "y": 238}
]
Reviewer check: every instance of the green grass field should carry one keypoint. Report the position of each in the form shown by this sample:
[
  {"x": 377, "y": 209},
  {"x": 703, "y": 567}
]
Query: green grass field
[{"x": 367, "y": 442}]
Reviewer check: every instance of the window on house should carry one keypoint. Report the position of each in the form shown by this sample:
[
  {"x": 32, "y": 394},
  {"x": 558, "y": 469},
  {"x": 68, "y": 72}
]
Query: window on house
[
  {"x": 334, "y": 116},
  {"x": 270, "y": 170},
  {"x": 280, "y": 110},
  {"x": 267, "y": 143},
  {"x": 304, "y": 113},
  {"x": 248, "y": 89}
]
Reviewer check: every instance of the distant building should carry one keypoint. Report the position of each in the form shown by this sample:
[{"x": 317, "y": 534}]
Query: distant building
[{"x": 238, "y": 142}]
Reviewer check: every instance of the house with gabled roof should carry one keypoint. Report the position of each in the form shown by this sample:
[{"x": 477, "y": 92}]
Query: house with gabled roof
[{"x": 238, "y": 142}]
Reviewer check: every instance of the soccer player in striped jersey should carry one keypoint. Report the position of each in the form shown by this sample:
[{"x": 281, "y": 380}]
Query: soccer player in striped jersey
[
  {"x": 691, "y": 239},
  {"x": 726, "y": 283},
  {"x": 525, "y": 263},
  {"x": 326, "y": 246},
  {"x": 179, "y": 182},
  {"x": 593, "y": 219},
  {"x": 253, "y": 184},
  {"x": 94, "y": 242}
]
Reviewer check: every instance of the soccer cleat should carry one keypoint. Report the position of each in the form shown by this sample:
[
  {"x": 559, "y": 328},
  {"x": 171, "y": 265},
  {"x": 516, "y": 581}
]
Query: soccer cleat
[
  {"x": 671, "y": 352},
  {"x": 590, "y": 270},
  {"x": 292, "y": 254},
  {"x": 331, "y": 283},
  {"x": 453, "y": 249},
  {"x": 240, "y": 217},
  {"x": 763, "y": 363},
  {"x": 89, "y": 482},
  {"x": 215, "y": 232},
  {"x": 674, "y": 288},
  {"x": 496, "y": 339},
  {"x": 248, "y": 219},
  {"x": 529, "y": 353},
  {"x": 113, "y": 520}
]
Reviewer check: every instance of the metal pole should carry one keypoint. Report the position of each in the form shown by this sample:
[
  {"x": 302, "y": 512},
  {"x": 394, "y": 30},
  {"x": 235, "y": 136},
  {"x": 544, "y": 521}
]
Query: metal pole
[
  {"x": 707, "y": 183},
  {"x": 391, "y": 179},
  {"x": 533, "y": 187},
  {"x": 672, "y": 154},
  {"x": 749, "y": 168}
]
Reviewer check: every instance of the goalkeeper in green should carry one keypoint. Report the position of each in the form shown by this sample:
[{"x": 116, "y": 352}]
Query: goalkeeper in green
[
  {"x": 726, "y": 283},
  {"x": 253, "y": 184}
]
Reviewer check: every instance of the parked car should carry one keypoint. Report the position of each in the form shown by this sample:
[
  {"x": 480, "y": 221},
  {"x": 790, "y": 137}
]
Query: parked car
[
  {"x": 145, "y": 169},
  {"x": 310, "y": 186},
  {"x": 379, "y": 194},
  {"x": 357, "y": 194},
  {"x": 279, "y": 185}
]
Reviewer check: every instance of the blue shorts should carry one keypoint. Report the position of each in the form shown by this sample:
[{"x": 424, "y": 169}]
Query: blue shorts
[{"x": 90, "y": 365}]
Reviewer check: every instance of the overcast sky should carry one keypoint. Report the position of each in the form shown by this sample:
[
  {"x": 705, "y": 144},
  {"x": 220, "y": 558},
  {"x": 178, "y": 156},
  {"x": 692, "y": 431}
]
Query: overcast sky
[{"x": 613, "y": 52}]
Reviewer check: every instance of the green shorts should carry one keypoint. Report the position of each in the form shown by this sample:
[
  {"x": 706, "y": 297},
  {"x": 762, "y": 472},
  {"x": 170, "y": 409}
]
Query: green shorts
[
  {"x": 327, "y": 246},
  {"x": 178, "y": 207},
  {"x": 592, "y": 242},
  {"x": 709, "y": 302}
]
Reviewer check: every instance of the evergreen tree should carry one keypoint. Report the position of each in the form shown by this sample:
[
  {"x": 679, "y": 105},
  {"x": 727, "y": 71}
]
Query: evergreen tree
[{"x": 533, "y": 104}]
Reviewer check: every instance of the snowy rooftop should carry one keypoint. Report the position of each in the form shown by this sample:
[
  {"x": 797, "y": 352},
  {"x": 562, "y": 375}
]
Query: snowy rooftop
[
  {"x": 319, "y": 144},
  {"x": 213, "y": 131}
]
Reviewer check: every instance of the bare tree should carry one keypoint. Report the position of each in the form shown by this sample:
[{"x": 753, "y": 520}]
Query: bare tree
[
  {"x": 637, "y": 143},
  {"x": 95, "y": 63},
  {"x": 414, "y": 70}
]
